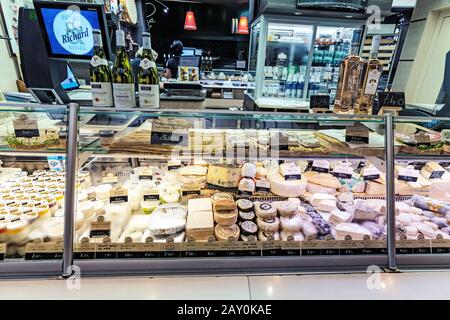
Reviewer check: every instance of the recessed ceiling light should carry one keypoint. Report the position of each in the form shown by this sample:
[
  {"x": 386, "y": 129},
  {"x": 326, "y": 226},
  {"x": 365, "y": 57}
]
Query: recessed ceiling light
[
  {"x": 349, "y": 16},
  {"x": 297, "y": 13}
]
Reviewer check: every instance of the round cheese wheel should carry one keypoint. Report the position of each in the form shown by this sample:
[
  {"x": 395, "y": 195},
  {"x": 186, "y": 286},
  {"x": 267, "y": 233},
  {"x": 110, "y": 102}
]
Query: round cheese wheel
[
  {"x": 291, "y": 223},
  {"x": 265, "y": 210},
  {"x": 248, "y": 170},
  {"x": 247, "y": 215},
  {"x": 247, "y": 186},
  {"x": 283, "y": 188},
  {"x": 225, "y": 219},
  {"x": 268, "y": 225},
  {"x": 249, "y": 228},
  {"x": 244, "y": 205},
  {"x": 287, "y": 208},
  {"x": 221, "y": 196},
  {"x": 224, "y": 233}
]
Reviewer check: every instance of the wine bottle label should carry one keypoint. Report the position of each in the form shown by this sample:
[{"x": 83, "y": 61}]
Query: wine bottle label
[
  {"x": 147, "y": 64},
  {"x": 149, "y": 96},
  {"x": 372, "y": 81},
  {"x": 97, "y": 61},
  {"x": 97, "y": 40},
  {"x": 102, "y": 94},
  {"x": 124, "y": 95},
  {"x": 120, "y": 38},
  {"x": 146, "y": 43}
]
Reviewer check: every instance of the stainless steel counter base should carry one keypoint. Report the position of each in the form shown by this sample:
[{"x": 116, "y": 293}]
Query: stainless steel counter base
[{"x": 228, "y": 266}]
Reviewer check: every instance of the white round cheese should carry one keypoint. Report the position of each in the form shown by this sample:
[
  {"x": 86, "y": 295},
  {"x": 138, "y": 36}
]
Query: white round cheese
[
  {"x": 283, "y": 188},
  {"x": 248, "y": 170},
  {"x": 167, "y": 219}
]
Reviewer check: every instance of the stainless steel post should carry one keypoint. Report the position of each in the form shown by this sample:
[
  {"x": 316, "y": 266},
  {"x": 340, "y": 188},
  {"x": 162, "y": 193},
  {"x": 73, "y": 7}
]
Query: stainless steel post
[
  {"x": 390, "y": 190},
  {"x": 70, "y": 192}
]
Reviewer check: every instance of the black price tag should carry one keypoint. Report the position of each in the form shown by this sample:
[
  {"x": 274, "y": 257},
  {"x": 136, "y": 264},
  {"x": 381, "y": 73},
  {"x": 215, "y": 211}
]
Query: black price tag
[
  {"x": 437, "y": 174},
  {"x": 352, "y": 251},
  {"x": 150, "y": 254},
  {"x": 329, "y": 252},
  {"x": 319, "y": 101},
  {"x": 440, "y": 250},
  {"x": 422, "y": 250},
  {"x": 145, "y": 177},
  {"x": 151, "y": 197},
  {"x": 291, "y": 177},
  {"x": 358, "y": 133},
  {"x": 106, "y": 255},
  {"x": 99, "y": 233},
  {"x": 129, "y": 255},
  {"x": 170, "y": 254},
  {"x": 118, "y": 199},
  {"x": 405, "y": 251},
  {"x": 271, "y": 252},
  {"x": 310, "y": 252},
  {"x": 169, "y": 138},
  {"x": 84, "y": 255},
  {"x": 251, "y": 253},
  {"x": 290, "y": 252},
  {"x": 25, "y": 127},
  {"x": 391, "y": 99}
]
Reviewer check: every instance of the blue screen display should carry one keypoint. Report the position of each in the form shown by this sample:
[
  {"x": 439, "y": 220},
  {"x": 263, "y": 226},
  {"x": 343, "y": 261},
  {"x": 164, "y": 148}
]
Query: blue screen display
[
  {"x": 70, "y": 32},
  {"x": 70, "y": 82}
]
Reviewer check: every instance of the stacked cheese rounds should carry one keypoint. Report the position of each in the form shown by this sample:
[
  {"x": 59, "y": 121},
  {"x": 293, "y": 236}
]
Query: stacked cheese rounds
[
  {"x": 225, "y": 215},
  {"x": 267, "y": 221},
  {"x": 247, "y": 219}
]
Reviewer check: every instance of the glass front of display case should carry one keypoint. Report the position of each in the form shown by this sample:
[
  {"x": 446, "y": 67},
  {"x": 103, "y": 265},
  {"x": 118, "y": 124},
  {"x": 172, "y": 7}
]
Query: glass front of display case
[
  {"x": 200, "y": 185},
  {"x": 32, "y": 184},
  {"x": 422, "y": 187}
]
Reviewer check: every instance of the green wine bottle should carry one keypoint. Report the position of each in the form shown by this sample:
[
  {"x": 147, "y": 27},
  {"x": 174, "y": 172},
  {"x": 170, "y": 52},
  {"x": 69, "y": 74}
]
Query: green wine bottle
[
  {"x": 100, "y": 73},
  {"x": 148, "y": 79},
  {"x": 122, "y": 76}
]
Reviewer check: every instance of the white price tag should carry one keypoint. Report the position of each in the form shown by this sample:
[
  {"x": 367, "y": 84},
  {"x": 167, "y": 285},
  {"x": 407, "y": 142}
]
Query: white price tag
[
  {"x": 343, "y": 172},
  {"x": 371, "y": 173},
  {"x": 321, "y": 166},
  {"x": 408, "y": 174}
]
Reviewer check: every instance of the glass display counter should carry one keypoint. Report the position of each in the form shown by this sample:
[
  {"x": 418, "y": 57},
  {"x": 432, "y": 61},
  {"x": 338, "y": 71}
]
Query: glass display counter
[{"x": 188, "y": 192}]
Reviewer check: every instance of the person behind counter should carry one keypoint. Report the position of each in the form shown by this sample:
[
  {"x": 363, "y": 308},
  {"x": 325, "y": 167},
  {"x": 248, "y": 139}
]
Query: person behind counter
[{"x": 172, "y": 64}]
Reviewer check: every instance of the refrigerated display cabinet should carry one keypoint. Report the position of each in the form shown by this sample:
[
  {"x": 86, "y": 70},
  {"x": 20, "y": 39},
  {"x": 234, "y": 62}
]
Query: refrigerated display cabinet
[
  {"x": 295, "y": 58},
  {"x": 211, "y": 192}
]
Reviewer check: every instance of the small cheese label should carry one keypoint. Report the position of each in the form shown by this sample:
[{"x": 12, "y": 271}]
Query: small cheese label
[
  {"x": 25, "y": 127},
  {"x": 344, "y": 172},
  {"x": 291, "y": 172},
  {"x": 118, "y": 195},
  {"x": 358, "y": 133},
  {"x": 151, "y": 194},
  {"x": 321, "y": 166},
  {"x": 437, "y": 174},
  {"x": 371, "y": 173},
  {"x": 408, "y": 174},
  {"x": 173, "y": 165},
  {"x": 246, "y": 186},
  {"x": 262, "y": 186},
  {"x": 110, "y": 178},
  {"x": 194, "y": 189}
]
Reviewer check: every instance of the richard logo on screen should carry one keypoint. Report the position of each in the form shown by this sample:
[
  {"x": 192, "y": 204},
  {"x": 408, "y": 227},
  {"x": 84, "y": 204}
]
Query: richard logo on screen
[{"x": 73, "y": 32}]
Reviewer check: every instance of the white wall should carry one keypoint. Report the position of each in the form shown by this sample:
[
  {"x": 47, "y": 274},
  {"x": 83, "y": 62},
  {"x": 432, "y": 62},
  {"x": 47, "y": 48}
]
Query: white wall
[{"x": 8, "y": 72}]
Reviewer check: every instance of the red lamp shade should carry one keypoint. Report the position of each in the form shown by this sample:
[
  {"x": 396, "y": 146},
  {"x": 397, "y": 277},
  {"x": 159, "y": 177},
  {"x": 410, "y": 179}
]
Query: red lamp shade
[
  {"x": 189, "y": 22},
  {"x": 243, "y": 25}
]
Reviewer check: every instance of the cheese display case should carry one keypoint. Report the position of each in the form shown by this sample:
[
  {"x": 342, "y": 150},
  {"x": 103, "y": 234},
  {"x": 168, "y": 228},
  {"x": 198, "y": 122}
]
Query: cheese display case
[
  {"x": 195, "y": 192},
  {"x": 32, "y": 189},
  {"x": 213, "y": 192}
]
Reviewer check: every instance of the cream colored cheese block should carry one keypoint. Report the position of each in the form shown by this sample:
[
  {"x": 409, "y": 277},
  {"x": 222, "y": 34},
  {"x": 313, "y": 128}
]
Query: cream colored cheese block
[
  {"x": 322, "y": 179},
  {"x": 315, "y": 188},
  {"x": 374, "y": 188},
  {"x": 282, "y": 188},
  {"x": 224, "y": 176},
  {"x": 338, "y": 216},
  {"x": 354, "y": 230},
  {"x": 200, "y": 205},
  {"x": 200, "y": 225},
  {"x": 193, "y": 171},
  {"x": 317, "y": 198}
]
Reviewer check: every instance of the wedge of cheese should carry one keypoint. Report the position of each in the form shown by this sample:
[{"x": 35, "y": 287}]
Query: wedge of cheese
[
  {"x": 286, "y": 188},
  {"x": 322, "y": 179}
]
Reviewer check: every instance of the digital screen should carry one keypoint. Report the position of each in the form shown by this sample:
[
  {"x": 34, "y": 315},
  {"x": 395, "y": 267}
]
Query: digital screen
[
  {"x": 69, "y": 31},
  {"x": 70, "y": 82}
]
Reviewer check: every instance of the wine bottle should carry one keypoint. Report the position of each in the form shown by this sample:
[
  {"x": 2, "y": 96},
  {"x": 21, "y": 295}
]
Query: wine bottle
[
  {"x": 101, "y": 88},
  {"x": 122, "y": 76},
  {"x": 347, "y": 85},
  {"x": 369, "y": 79},
  {"x": 148, "y": 79}
]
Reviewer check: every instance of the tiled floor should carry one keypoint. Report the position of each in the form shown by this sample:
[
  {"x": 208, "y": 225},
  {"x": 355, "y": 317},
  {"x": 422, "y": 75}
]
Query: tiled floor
[{"x": 425, "y": 285}]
